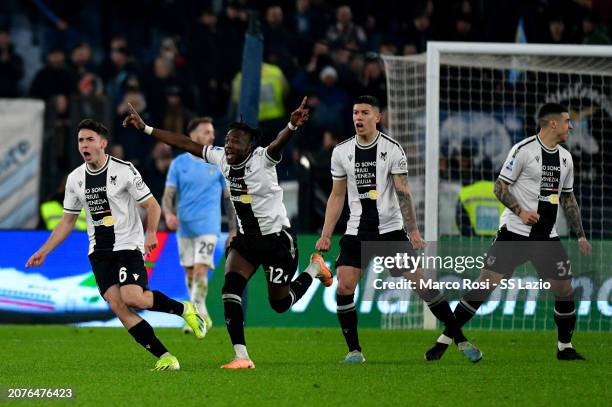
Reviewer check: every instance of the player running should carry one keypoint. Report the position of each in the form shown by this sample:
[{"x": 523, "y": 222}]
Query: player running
[
  {"x": 192, "y": 203},
  {"x": 372, "y": 167},
  {"x": 537, "y": 177},
  {"x": 264, "y": 234},
  {"x": 109, "y": 189}
]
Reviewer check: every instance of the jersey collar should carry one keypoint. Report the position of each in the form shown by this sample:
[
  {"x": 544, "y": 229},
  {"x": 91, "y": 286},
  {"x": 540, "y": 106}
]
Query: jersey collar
[
  {"x": 547, "y": 149},
  {"x": 365, "y": 147},
  {"x": 96, "y": 172},
  {"x": 243, "y": 163}
]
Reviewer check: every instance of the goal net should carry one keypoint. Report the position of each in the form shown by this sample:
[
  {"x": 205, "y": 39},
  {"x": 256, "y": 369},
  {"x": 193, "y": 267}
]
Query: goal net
[{"x": 457, "y": 111}]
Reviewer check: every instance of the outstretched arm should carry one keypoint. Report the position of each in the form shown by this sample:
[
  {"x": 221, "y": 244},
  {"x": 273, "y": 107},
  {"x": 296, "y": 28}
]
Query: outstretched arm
[
  {"x": 567, "y": 200},
  {"x": 60, "y": 233},
  {"x": 298, "y": 117},
  {"x": 404, "y": 196},
  {"x": 174, "y": 139}
]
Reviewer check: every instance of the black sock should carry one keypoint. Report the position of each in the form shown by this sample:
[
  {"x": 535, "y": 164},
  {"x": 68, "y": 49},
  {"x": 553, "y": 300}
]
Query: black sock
[
  {"x": 143, "y": 334},
  {"x": 232, "y": 305},
  {"x": 347, "y": 315},
  {"x": 465, "y": 310},
  {"x": 441, "y": 310},
  {"x": 565, "y": 318},
  {"x": 163, "y": 303},
  {"x": 299, "y": 286}
]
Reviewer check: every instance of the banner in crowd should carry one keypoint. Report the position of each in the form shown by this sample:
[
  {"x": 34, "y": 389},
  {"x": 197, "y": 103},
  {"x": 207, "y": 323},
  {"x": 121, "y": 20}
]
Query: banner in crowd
[
  {"x": 63, "y": 290},
  {"x": 21, "y": 131}
]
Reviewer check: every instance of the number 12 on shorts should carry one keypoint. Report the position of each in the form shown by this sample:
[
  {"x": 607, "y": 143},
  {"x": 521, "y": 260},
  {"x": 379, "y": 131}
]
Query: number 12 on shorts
[{"x": 275, "y": 275}]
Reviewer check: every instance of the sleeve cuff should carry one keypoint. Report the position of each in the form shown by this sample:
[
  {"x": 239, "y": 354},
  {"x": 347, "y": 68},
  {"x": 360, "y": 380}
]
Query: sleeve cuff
[
  {"x": 144, "y": 197},
  {"x": 507, "y": 179},
  {"x": 567, "y": 189},
  {"x": 272, "y": 160},
  {"x": 73, "y": 211},
  {"x": 399, "y": 172},
  {"x": 339, "y": 176},
  {"x": 204, "y": 151}
]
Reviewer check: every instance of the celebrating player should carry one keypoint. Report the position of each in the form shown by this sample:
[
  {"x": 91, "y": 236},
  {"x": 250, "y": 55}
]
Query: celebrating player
[
  {"x": 193, "y": 191},
  {"x": 109, "y": 189},
  {"x": 372, "y": 166},
  {"x": 264, "y": 235},
  {"x": 536, "y": 178}
]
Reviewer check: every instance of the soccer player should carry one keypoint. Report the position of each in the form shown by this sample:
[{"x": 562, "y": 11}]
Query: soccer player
[
  {"x": 109, "y": 189},
  {"x": 193, "y": 192},
  {"x": 264, "y": 234},
  {"x": 537, "y": 177},
  {"x": 372, "y": 167}
]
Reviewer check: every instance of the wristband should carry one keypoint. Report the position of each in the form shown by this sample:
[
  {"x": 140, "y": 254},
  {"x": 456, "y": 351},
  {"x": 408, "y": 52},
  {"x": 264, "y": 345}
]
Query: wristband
[
  {"x": 148, "y": 129},
  {"x": 292, "y": 127}
]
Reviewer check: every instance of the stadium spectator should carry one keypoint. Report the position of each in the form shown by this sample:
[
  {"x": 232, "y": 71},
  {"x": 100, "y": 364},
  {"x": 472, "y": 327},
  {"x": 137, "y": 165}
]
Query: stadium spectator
[
  {"x": 344, "y": 31},
  {"x": 81, "y": 59},
  {"x": 593, "y": 32},
  {"x": 54, "y": 79},
  {"x": 176, "y": 116},
  {"x": 11, "y": 66},
  {"x": 156, "y": 169},
  {"x": 278, "y": 41}
]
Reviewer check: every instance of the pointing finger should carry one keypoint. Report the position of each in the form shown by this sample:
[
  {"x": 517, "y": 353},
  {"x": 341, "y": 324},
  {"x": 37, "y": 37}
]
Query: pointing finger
[{"x": 303, "y": 102}]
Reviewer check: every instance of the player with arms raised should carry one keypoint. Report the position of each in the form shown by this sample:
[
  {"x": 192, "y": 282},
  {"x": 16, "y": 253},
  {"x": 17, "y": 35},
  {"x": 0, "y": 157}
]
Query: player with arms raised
[
  {"x": 536, "y": 178},
  {"x": 109, "y": 189},
  {"x": 372, "y": 167},
  {"x": 264, "y": 234}
]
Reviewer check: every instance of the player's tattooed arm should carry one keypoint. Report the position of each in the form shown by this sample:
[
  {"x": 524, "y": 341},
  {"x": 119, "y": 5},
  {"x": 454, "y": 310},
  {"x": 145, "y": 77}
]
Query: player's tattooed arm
[
  {"x": 502, "y": 192},
  {"x": 402, "y": 189},
  {"x": 298, "y": 117},
  {"x": 567, "y": 200},
  {"x": 229, "y": 210}
]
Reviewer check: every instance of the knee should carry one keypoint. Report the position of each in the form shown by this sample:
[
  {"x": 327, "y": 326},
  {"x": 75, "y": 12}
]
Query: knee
[
  {"x": 135, "y": 301},
  {"x": 200, "y": 270},
  {"x": 345, "y": 288},
  {"x": 281, "y": 305},
  {"x": 117, "y": 306}
]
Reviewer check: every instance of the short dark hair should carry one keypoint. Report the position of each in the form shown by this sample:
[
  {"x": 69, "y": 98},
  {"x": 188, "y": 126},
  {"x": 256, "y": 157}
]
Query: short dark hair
[
  {"x": 90, "y": 124},
  {"x": 550, "y": 109},
  {"x": 254, "y": 132},
  {"x": 193, "y": 124},
  {"x": 369, "y": 100}
]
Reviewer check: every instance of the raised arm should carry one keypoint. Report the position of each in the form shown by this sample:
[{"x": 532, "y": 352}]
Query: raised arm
[
  {"x": 404, "y": 196},
  {"x": 502, "y": 192},
  {"x": 335, "y": 203},
  {"x": 568, "y": 202},
  {"x": 298, "y": 117},
  {"x": 177, "y": 140},
  {"x": 60, "y": 233}
]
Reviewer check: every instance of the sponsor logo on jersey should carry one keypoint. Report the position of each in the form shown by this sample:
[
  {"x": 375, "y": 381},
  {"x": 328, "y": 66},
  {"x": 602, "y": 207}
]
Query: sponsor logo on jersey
[
  {"x": 244, "y": 198},
  {"x": 552, "y": 198},
  {"x": 371, "y": 194},
  {"x": 105, "y": 221}
]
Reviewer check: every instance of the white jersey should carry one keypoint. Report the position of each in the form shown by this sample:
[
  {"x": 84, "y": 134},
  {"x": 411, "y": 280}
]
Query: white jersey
[
  {"x": 369, "y": 170},
  {"x": 109, "y": 196},
  {"x": 536, "y": 175},
  {"x": 254, "y": 191}
]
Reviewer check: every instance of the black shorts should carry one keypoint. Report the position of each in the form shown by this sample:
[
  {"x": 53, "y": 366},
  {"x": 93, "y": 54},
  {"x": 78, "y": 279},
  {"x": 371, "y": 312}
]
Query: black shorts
[
  {"x": 350, "y": 247},
  {"x": 509, "y": 250},
  {"x": 122, "y": 267},
  {"x": 277, "y": 253}
]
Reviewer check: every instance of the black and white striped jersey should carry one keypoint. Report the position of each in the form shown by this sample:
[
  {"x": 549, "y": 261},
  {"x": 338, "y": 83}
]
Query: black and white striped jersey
[
  {"x": 254, "y": 190},
  {"x": 109, "y": 196},
  {"x": 536, "y": 175},
  {"x": 369, "y": 170}
]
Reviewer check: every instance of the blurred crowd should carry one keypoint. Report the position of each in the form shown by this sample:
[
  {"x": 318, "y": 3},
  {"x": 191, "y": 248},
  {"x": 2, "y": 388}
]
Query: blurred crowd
[{"x": 178, "y": 59}]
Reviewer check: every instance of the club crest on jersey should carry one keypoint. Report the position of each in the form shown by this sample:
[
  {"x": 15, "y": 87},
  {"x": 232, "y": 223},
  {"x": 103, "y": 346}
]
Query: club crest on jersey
[
  {"x": 383, "y": 155},
  {"x": 565, "y": 162},
  {"x": 113, "y": 179}
]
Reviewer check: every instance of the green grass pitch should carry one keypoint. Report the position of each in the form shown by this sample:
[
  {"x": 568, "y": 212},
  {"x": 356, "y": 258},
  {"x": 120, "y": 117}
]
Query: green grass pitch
[{"x": 302, "y": 367}]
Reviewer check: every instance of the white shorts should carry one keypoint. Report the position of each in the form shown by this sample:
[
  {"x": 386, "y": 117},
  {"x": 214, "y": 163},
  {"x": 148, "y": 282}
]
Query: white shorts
[{"x": 197, "y": 250}]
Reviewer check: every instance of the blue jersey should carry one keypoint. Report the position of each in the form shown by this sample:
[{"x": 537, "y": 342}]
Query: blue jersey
[{"x": 199, "y": 187}]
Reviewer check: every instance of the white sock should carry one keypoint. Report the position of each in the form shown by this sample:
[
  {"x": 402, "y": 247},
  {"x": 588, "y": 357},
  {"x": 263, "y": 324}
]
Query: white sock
[
  {"x": 313, "y": 269},
  {"x": 445, "y": 339},
  {"x": 241, "y": 352},
  {"x": 561, "y": 345}
]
